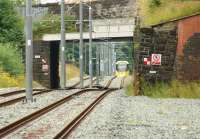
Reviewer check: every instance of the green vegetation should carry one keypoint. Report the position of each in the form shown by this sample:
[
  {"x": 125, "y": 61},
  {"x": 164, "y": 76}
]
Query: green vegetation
[
  {"x": 129, "y": 89},
  {"x": 156, "y": 11},
  {"x": 6, "y": 80},
  {"x": 72, "y": 71},
  {"x": 50, "y": 24},
  {"x": 175, "y": 89},
  {"x": 10, "y": 60},
  {"x": 11, "y": 44},
  {"x": 11, "y": 24}
]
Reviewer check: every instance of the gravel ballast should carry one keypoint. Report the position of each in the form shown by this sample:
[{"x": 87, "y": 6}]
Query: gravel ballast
[
  {"x": 123, "y": 117},
  {"x": 16, "y": 111},
  {"x": 117, "y": 117},
  {"x": 53, "y": 122}
]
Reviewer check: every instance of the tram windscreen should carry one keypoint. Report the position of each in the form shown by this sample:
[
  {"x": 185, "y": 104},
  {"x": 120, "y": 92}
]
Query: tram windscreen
[{"x": 122, "y": 67}]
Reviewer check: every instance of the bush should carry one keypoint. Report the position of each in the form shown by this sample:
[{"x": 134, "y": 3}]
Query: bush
[
  {"x": 50, "y": 24},
  {"x": 10, "y": 60},
  {"x": 6, "y": 80},
  {"x": 11, "y": 24}
]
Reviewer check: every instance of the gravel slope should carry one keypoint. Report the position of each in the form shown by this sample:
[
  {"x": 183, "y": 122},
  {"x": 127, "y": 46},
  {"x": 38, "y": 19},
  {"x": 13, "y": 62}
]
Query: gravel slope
[{"x": 122, "y": 117}]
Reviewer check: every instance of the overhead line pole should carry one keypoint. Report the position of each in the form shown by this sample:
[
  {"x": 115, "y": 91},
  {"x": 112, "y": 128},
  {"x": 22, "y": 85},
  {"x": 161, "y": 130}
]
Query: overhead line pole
[
  {"x": 97, "y": 65},
  {"x": 90, "y": 46},
  {"x": 29, "y": 52},
  {"x": 81, "y": 42},
  {"x": 62, "y": 46}
]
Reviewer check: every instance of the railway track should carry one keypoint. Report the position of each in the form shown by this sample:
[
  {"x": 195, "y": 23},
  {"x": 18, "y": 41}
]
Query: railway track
[
  {"x": 18, "y": 99},
  {"x": 41, "y": 91},
  {"x": 22, "y": 122},
  {"x": 122, "y": 82},
  {"x": 76, "y": 84},
  {"x": 68, "y": 129},
  {"x": 12, "y": 93},
  {"x": 65, "y": 132}
]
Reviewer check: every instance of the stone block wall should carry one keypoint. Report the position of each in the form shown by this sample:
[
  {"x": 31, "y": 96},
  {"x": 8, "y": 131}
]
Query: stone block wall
[
  {"x": 158, "y": 40},
  {"x": 41, "y": 63},
  {"x": 101, "y": 9}
]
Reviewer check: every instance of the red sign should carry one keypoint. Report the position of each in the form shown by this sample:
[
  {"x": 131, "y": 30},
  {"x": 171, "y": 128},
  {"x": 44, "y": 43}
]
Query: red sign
[
  {"x": 156, "y": 59},
  {"x": 147, "y": 61},
  {"x": 45, "y": 67}
]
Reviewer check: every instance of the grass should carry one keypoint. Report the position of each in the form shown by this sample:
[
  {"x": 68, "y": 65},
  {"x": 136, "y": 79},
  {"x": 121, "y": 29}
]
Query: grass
[
  {"x": 129, "y": 90},
  {"x": 72, "y": 71},
  {"x": 6, "y": 80},
  {"x": 174, "y": 89},
  {"x": 169, "y": 9}
]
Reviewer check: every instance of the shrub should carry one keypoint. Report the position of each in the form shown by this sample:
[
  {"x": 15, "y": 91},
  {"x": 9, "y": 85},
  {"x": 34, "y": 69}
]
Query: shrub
[
  {"x": 50, "y": 24},
  {"x": 11, "y": 24},
  {"x": 6, "y": 80},
  {"x": 10, "y": 60}
]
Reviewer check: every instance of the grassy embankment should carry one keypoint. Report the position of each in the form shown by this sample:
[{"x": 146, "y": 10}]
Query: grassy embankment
[
  {"x": 72, "y": 71},
  {"x": 156, "y": 11},
  {"x": 174, "y": 89},
  {"x": 11, "y": 67}
]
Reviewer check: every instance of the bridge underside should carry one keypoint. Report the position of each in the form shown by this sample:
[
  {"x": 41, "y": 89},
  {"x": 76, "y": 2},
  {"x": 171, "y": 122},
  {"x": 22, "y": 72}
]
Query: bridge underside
[
  {"x": 96, "y": 36},
  {"x": 46, "y": 57}
]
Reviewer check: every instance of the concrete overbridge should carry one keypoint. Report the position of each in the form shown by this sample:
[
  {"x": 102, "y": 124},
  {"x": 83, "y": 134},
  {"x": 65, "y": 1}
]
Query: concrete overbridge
[{"x": 111, "y": 31}]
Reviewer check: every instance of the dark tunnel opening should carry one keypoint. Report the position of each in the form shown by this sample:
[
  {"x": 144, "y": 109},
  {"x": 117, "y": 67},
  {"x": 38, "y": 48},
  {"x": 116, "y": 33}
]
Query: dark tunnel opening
[{"x": 54, "y": 65}]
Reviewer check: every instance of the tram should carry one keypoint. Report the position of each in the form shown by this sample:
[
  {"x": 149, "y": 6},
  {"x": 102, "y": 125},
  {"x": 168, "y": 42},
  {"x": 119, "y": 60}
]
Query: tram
[{"x": 122, "y": 69}]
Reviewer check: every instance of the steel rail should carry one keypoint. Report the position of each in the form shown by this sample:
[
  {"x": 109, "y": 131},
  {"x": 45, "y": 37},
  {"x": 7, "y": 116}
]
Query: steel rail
[
  {"x": 20, "y": 123},
  {"x": 122, "y": 82},
  {"x": 18, "y": 99},
  {"x": 76, "y": 84},
  {"x": 16, "y": 92},
  {"x": 63, "y": 134},
  {"x": 109, "y": 83}
]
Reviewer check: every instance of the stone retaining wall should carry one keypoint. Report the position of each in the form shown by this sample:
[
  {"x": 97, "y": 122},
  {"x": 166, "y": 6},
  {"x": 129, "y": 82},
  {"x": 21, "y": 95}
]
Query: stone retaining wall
[
  {"x": 41, "y": 63},
  {"x": 101, "y": 9},
  {"x": 158, "y": 40}
]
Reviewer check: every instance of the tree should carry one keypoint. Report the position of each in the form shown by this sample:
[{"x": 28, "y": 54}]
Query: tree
[
  {"x": 23, "y": 2},
  {"x": 11, "y": 24}
]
